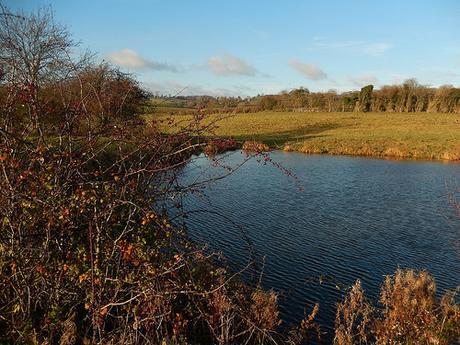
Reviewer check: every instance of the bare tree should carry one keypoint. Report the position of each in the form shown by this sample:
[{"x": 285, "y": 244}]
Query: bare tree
[{"x": 34, "y": 51}]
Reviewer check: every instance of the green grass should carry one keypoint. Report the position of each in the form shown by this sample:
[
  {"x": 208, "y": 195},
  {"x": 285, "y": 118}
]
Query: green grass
[{"x": 401, "y": 135}]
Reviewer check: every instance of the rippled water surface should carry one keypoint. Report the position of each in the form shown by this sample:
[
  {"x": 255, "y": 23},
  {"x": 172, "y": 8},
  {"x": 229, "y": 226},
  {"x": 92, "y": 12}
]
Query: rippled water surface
[{"x": 355, "y": 218}]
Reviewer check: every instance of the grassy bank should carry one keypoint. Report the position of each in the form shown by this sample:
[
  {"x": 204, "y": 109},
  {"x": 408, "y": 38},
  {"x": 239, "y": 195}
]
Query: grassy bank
[{"x": 399, "y": 135}]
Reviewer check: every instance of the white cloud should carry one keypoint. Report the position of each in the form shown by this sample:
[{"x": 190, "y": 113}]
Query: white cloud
[
  {"x": 131, "y": 59},
  {"x": 363, "y": 80},
  {"x": 309, "y": 71},
  {"x": 227, "y": 65},
  {"x": 174, "y": 87},
  {"x": 377, "y": 49}
]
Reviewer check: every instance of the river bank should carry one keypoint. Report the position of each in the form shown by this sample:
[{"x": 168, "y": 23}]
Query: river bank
[{"x": 432, "y": 136}]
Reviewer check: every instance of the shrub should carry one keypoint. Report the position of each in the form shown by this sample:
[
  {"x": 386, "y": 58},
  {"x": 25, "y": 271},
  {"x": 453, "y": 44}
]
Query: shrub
[{"x": 409, "y": 313}]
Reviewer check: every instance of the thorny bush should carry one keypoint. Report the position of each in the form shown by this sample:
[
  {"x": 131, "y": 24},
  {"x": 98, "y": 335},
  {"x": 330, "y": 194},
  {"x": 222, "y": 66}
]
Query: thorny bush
[{"x": 85, "y": 256}]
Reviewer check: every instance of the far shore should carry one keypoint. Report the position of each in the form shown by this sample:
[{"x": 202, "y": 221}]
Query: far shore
[{"x": 424, "y": 136}]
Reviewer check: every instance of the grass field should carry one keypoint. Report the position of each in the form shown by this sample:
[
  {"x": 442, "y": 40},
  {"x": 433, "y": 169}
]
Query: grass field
[{"x": 400, "y": 135}]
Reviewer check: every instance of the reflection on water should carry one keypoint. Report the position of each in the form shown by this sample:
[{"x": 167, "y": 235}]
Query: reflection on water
[{"x": 355, "y": 218}]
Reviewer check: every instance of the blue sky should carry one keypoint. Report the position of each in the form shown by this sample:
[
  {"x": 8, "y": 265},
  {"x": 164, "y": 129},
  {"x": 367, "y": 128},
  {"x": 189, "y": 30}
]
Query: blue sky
[{"x": 250, "y": 47}]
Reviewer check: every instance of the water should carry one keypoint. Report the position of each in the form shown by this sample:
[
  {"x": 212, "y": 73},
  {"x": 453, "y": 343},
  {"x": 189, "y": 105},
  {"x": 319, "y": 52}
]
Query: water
[{"x": 356, "y": 218}]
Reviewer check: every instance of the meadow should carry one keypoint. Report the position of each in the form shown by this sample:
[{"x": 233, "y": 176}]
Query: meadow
[{"x": 398, "y": 135}]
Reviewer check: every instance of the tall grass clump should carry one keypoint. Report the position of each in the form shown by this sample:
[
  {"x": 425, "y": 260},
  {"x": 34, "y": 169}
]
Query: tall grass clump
[{"x": 408, "y": 313}]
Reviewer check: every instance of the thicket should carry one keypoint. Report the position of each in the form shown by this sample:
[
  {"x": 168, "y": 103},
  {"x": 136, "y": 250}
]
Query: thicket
[{"x": 85, "y": 256}]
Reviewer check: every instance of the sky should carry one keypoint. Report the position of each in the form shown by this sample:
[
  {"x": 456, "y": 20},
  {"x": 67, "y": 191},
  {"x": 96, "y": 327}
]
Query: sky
[{"x": 245, "y": 48}]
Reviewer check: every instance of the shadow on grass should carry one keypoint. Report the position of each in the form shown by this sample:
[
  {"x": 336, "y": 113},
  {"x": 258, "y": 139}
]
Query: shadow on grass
[{"x": 278, "y": 139}]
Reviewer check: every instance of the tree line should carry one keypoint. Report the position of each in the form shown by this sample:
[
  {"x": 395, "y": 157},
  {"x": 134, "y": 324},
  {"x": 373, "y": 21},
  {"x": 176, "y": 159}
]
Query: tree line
[{"x": 410, "y": 96}]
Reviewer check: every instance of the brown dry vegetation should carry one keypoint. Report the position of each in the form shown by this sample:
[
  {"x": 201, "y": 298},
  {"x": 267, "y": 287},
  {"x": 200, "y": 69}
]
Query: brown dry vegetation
[
  {"x": 255, "y": 146},
  {"x": 409, "y": 313},
  {"x": 85, "y": 257}
]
